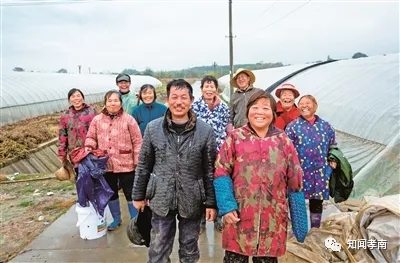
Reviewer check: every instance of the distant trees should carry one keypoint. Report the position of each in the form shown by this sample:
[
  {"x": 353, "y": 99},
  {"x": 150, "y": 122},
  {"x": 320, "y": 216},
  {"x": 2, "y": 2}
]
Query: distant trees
[
  {"x": 18, "y": 69},
  {"x": 130, "y": 71},
  {"x": 359, "y": 55},
  {"x": 62, "y": 70},
  {"x": 200, "y": 71},
  {"x": 148, "y": 72}
]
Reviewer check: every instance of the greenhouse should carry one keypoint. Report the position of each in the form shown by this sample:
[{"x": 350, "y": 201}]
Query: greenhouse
[
  {"x": 360, "y": 98},
  {"x": 26, "y": 95}
]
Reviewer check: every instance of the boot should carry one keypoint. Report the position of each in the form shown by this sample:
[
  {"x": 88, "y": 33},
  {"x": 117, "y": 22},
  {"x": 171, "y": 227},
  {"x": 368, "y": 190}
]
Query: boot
[
  {"x": 132, "y": 210},
  {"x": 218, "y": 224},
  {"x": 315, "y": 219},
  {"x": 116, "y": 213}
]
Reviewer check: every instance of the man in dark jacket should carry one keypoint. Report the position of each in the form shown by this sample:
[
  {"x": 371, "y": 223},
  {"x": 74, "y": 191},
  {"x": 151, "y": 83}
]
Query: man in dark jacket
[{"x": 175, "y": 173}]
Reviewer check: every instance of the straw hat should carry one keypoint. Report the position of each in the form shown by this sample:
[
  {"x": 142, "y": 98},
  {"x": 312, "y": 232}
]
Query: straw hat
[
  {"x": 66, "y": 172},
  {"x": 287, "y": 86},
  {"x": 247, "y": 72}
]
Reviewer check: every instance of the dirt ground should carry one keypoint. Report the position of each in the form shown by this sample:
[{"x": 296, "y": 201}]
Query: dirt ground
[
  {"x": 28, "y": 207},
  {"x": 17, "y": 139}
]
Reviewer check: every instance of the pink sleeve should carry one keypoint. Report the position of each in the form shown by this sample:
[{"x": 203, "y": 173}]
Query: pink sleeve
[
  {"x": 136, "y": 138},
  {"x": 91, "y": 136}
]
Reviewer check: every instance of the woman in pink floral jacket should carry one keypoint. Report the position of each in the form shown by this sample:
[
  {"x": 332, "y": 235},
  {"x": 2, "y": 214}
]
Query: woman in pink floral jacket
[{"x": 117, "y": 133}]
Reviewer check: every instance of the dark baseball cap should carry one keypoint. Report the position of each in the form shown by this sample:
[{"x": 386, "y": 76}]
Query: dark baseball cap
[{"x": 123, "y": 77}]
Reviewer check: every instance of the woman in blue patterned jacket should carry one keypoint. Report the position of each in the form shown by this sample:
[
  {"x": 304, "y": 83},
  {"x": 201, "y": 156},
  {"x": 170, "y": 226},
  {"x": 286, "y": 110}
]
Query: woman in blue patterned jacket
[
  {"x": 312, "y": 137},
  {"x": 215, "y": 112}
]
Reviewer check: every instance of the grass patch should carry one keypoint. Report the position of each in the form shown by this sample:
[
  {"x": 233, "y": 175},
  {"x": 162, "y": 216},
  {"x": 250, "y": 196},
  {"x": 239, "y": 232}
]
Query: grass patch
[
  {"x": 29, "y": 176},
  {"x": 63, "y": 186},
  {"x": 26, "y": 203},
  {"x": 27, "y": 190}
]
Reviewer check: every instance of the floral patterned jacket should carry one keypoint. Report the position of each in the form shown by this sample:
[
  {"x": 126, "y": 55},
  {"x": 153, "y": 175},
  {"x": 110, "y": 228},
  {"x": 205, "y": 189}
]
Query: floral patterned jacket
[
  {"x": 72, "y": 129},
  {"x": 119, "y": 136},
  {"x": 252, "y": 176},
  {"x": 218, "y": 117}
]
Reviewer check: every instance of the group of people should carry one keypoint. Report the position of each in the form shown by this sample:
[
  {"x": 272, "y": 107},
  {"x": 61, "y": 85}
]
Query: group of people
[{"x": 202, "y": 160}]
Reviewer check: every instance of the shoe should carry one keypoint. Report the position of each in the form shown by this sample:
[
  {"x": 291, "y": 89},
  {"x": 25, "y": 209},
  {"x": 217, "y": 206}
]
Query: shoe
[
  {"x": 132, "y": 210},
  {"x": 116, "y": 214},
  {"x": 315, "y": 219},
  {"x": 218, "y": 224}
]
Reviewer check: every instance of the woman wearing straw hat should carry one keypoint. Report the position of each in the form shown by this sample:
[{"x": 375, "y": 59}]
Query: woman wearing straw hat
[
  {"x": 243, "y": 81},
  {"x": 286, "y": 108}
]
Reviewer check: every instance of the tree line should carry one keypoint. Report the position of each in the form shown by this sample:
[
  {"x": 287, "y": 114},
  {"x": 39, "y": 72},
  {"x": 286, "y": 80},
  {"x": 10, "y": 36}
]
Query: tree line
[{"x": 196, "y": 72}]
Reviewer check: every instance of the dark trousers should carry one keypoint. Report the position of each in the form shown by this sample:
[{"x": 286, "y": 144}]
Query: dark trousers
[
  {"x": 125, "y": 181},
  {"x": 231, "y": 257},
  {"x": 163, "y": 234},
  {"x": 76, "y": 173},
  {"x": 315, "y": 206}
]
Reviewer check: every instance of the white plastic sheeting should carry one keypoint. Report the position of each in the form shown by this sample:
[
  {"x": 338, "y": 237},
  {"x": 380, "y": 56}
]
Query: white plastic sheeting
[
  {"x": 196, "y": 90},
  {"x": 360, "y": 98},
  {"x": 25, "y": 95}
]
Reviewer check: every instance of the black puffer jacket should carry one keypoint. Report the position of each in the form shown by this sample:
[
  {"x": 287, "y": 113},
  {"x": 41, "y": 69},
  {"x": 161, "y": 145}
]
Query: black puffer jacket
[{"x": 176, "y": 171}]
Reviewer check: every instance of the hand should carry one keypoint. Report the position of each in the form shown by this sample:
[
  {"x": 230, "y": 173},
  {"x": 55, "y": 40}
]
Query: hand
[
  {"x": 139, "y": 205},
  {"x": 210, "y": 214},
  {"x": 333, "y": 164},
  {"x": 231, "y": 218}
]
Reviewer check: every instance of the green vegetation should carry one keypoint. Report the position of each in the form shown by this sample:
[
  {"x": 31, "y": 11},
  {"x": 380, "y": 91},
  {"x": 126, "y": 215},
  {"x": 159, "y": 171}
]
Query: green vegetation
[
  {"x": 26, "y": 203},
  {"x": 200, "y": 71}
]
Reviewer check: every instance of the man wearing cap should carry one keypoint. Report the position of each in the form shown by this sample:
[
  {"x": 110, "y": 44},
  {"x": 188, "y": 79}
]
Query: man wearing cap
[
  {"x": 129, "y": 99},
  {"x": 243, "y": 81},
  {"x": 286, "y": 108}
]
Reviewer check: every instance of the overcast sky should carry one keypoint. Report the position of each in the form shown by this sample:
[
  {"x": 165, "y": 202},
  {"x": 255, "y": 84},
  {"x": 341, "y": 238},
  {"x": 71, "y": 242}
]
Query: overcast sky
[{"x": 180, "y": 34}]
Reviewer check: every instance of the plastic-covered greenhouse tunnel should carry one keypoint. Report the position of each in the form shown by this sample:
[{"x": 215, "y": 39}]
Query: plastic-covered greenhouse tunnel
[
  {"x": 26, "y": 95},
  {"x": 360, "y": 98}
]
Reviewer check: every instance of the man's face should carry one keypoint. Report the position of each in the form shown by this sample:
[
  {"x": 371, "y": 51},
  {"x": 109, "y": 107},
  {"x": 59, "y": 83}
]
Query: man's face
[
  {"x": 124, "y": 86},
  {"x": 179, "y": 102},
  {"x": 242, "y": 81}
]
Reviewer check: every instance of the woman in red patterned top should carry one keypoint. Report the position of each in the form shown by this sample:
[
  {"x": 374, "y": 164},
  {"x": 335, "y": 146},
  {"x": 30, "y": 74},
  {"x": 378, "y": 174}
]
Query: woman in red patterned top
[
  {"x": 117, "y": 133},
  {"x": 253, "y": 171},
  {"x": 74, "y": 124},
  {"x": 286, "y": 108}
]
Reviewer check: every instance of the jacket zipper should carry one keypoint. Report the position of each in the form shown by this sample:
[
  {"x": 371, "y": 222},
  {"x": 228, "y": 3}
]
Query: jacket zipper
[
  {"x": 259, "y": 222},
  {"x": 259, "y": 210}
]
